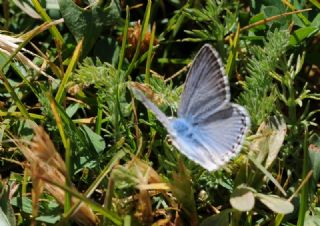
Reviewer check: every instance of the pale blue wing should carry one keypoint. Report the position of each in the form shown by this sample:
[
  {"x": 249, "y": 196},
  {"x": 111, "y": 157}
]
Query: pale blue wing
[
  {"x": 223, "y": 133},
  {"x": 196, "y": 152},
  {"x": 206, "y": 89},
  {"x": 214, "y": 142},
  {"x": 151, "y": 106}
]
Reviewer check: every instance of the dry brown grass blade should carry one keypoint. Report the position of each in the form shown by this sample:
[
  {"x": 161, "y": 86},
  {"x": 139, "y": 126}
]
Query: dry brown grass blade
[
  {"x": 267, "y": 20},
  {"x": 148, "y": 92},
  {"x": 37, "y": 189},
  {"x": 45, "y": 162},
  {"x": 145, "y": 175},
  {"x": 9, "y": 44},
  {"x": 144, "y": 208}
]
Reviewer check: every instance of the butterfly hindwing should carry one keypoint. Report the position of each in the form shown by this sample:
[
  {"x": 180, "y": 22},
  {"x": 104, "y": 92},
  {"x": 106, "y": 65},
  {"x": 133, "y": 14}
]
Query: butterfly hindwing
[
  {"x": 223, "y": 133},
  {"x": 196, "y": 152},
  {"x": 214, "y": 142}
]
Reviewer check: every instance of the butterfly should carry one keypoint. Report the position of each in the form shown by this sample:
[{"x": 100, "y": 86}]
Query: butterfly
[{"x": 209, "y": 129}]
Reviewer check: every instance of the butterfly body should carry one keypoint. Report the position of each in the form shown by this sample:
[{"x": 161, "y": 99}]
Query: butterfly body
[
  {"x": 182, "y": 127},
  {"x": 209, "y": 129}
]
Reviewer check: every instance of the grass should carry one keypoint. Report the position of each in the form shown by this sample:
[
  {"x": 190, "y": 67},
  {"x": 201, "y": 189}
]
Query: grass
[{"x": 77, "y": 148}]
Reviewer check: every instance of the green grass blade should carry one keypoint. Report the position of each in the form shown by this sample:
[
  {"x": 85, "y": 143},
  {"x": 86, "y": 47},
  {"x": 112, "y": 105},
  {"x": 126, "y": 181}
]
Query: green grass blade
[
  {"x": 69, "y": 70},
  {"x": 121, "y": 58},
  {"x": 304, "y": 191},
  {"x": 54, "y": 30},
  {"x": 27, "y": 38},
  {"x": 267, "y": 174},
  {"x": 119, "y": 155},
  {"x": 149, "y": 57},
  {"x": 14, "y": 96},
  {"x": 124, "y": 39},
  {"x": 142, "y": 34},
  {"x": 233, "y": 53},
  {"x": 68, "y": 153},
  {"x": 95, "y": 206}
]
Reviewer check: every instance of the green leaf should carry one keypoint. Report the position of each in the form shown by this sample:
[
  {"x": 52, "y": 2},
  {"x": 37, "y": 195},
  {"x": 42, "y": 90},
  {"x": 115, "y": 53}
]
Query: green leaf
[
  {"x": 51, "y": 219},
  {"x": 88, "y": 23},
  {"x": 268, "y": 174},
  {"x": 302, "y": 33},
  {"x": 270, "y": 137},
  {"x": 312, "y": 219},
  {"x": 242, "y": 199},
  {"x": 23, "y": 203},
  {"x": 96, "y": 140},
  {"x": 72, "y": 109},
  {"x": 275, "y": 203},
  {"x": 3, "y": 219},
  {"x": 314, "y": 155},
  {"x": 255, "y": 19},
  {"x": 24, "y": 128},
  {"x": 3, "y": 60},
  {"x": 270, "y": 11},
  {"x": 221, "y": 219},
  {"x": 275, "y": 140},
  {"x": 52, "y": 4},
  {"x": 7, "y": 216}
]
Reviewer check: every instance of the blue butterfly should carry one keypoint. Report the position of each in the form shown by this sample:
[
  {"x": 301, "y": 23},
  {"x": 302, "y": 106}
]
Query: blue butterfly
[{"x": 209, "y": 129}]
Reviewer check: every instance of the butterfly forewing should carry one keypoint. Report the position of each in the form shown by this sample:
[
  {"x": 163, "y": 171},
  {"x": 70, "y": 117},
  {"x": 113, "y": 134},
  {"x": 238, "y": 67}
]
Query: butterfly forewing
[{"x": 206, "y": 89}]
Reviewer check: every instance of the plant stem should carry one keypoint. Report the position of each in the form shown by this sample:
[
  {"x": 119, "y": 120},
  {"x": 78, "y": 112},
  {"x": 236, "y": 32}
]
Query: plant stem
[{"x": 304, "y": 190}]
